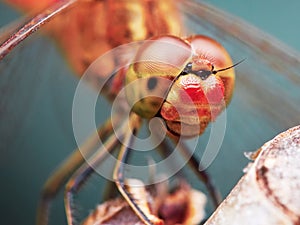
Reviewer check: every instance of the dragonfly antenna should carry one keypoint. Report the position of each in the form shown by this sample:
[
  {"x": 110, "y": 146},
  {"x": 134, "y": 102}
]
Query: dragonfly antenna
[{"x": 227, "y": 68}]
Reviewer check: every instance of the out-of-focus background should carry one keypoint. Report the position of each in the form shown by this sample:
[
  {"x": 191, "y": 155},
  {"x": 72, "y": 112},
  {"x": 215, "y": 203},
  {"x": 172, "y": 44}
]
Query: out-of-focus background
[{"x": 36, "y": 94}]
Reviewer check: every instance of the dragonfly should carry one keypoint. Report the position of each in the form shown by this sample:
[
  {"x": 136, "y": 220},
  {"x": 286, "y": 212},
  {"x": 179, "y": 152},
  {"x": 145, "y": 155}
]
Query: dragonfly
[{"x": 252, "y": 41}]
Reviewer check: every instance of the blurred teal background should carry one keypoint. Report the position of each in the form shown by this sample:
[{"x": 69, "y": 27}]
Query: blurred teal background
[{"x": 36, "y": 93}]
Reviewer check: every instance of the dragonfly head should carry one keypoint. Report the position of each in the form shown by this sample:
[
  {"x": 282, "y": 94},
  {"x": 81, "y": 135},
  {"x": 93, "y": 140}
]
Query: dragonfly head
[{"x": 186, "y": 82}]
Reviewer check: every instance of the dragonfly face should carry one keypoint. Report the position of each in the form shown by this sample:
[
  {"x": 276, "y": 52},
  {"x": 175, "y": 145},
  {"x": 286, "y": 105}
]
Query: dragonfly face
[
  {"x": 191, "y": 99},
  {"x": 264, "y": 103}
]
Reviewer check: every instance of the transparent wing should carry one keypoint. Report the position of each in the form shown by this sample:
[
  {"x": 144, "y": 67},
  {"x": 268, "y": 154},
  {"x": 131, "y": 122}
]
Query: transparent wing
[
  {"x": 32, "y": 24},
  {"x": 37, "y": 89},
  {"x": 267, "y": 90}
]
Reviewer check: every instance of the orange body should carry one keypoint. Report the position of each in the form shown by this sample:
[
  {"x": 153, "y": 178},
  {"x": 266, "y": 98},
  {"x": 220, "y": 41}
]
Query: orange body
[
  {"x": 91, "y": 28},
  {"x": 30, "y": 5}
]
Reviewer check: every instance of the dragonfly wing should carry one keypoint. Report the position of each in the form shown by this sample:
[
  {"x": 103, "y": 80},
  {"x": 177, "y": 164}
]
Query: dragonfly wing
[
  {"x": 267, "y": 48},
  {"x": 267, "y": 89},
  {"x": 33, "y": 24},
  {"x": 37, "y": 90}
]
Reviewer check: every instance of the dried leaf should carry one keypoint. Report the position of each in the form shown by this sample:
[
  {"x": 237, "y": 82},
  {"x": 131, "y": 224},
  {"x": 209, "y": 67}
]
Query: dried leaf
[
  {"x": 184, "y": 206},
  {"x": 269, "y": 193}
]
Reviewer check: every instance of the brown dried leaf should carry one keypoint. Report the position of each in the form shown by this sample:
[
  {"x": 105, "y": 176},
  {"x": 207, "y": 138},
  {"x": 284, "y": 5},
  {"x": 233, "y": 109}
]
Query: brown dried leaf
[
  {"x": 184, "y": 206},
  {"x": 270, "y": 191}
]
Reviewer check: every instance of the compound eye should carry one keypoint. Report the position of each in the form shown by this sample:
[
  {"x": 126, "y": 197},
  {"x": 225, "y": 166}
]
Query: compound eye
[
  {"x": 158, "y": 61},
  {"x": 162, "y": 56},
  {"x": 208, "y": 49}
]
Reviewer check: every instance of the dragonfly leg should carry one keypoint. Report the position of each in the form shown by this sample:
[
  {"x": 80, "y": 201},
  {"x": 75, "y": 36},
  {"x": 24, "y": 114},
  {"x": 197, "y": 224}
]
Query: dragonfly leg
[
  {"x": 165, "y": 149},
  {"x": 119, "y": 177},
  {"x": 57, "y": 180},
  {"x": 54, "y": 184},
  {"x": 202, "y": 174},
  {"x": 84, "y": 172}
]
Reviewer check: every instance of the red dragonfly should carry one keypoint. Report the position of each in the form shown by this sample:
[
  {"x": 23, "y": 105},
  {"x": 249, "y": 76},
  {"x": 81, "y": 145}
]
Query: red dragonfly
[{"x": 243, "y": 36}]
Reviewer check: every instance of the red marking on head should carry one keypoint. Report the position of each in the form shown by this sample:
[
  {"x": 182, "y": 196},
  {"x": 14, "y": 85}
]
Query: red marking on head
[
  {"x": 209, "y": 91},
  {"x": 192, "y": 97}
]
